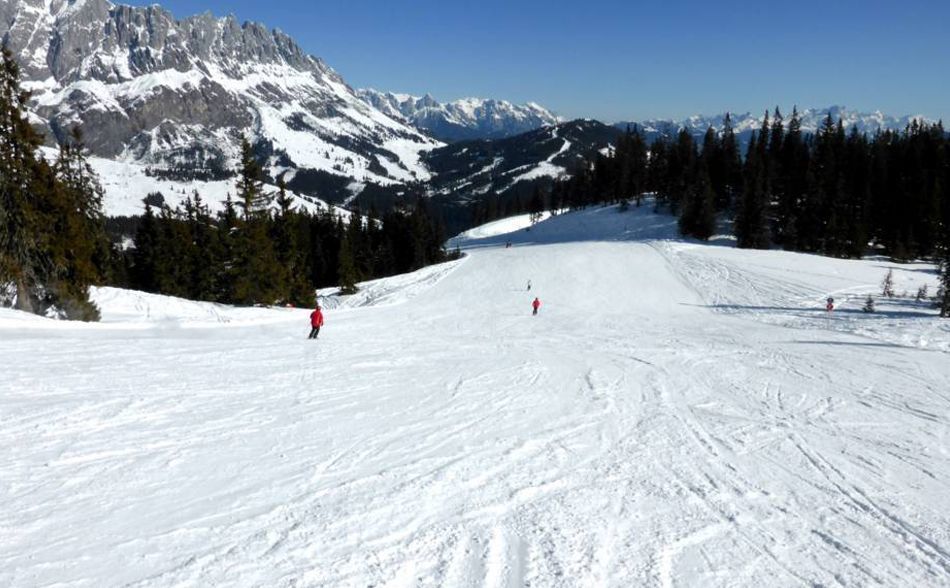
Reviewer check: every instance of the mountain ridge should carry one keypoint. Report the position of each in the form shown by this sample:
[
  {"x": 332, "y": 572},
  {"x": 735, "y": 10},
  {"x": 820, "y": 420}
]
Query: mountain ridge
[
  {"x": 462, "y": 119},
  {"x": 173, "y": 94},
  {"x": 745, "y": 124}
]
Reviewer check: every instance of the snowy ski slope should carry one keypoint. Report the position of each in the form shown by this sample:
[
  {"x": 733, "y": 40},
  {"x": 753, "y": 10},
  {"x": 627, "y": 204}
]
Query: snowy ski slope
[{"x": 678, "y": 415}]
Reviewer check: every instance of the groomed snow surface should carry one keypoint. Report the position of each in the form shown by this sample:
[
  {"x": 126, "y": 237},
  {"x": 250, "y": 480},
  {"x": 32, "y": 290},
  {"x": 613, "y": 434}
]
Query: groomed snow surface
[{"x": 678, "y": 415}]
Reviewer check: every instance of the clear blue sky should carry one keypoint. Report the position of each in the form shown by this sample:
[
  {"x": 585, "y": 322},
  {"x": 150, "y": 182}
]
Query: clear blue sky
[{"x": 629, "y": 59}]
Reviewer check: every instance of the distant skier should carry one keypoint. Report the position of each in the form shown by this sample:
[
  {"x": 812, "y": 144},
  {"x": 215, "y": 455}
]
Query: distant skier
[
  {"x": 316, "y": 321},
  {"x": 529, "y": 285},
  {"x": 830, "y": 306},
  {"x": 536, "y": 305}
]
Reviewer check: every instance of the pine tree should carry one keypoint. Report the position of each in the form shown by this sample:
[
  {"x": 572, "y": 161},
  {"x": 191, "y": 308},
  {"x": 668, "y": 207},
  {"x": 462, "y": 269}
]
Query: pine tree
[
  {"x": 347, "y": 264},
  {"x": 731, "y": 163},
  {"x": 682, "y": 170},
  {"x": 751, "y": 223},
  {"x": 258, "y": 277},
  {"x": 250, "y": 187},
  {"x": 22, "y": 248},
  {"x": 943, "y": 293},
  {"x": 887, "y": 286},
  {"x": 536, "y": 205},
  {"x": 792, "y": 184},
  {"x": 146, "y": 252},
  {"x": 637, "y": 156},
  {"x": 205, "y": 259},
  {"x": 698, "y": 218},
  {"x": 290, "y": 255},
  {"x": 78, "y": 241},
  {"x": 52, "y": 243},
  {"x": 869, "y": 304}
]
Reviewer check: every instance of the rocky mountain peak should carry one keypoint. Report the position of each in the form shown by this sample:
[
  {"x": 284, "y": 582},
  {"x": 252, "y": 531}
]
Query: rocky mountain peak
[{"x": 174, "y": 96}]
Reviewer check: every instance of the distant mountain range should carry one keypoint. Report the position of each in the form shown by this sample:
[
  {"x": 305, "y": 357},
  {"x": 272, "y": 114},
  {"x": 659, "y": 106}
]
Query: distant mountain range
[
  {"x": 747, "y": 123},
  {"x": 163, "y": 103},
  {"x": 469, "y": 118}
]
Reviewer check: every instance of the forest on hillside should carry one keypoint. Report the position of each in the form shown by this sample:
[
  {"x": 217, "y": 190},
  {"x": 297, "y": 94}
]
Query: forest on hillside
[{"x": 54, "y": 242}]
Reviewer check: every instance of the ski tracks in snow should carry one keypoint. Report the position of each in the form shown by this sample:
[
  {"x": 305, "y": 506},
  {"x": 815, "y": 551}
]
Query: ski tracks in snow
[{"x": 629, "y": 435}]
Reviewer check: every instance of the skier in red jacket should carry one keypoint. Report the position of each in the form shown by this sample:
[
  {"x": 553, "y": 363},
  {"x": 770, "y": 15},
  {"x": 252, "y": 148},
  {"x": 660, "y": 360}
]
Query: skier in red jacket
[
  {"x": 536, "y": 305},
  {"x": 316, "y": 321}
]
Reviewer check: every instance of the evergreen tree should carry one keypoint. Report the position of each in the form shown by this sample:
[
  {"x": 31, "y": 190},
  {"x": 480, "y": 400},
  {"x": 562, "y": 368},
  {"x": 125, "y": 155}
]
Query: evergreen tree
[
  {"x": 791, "y": 181},
  {"x": 536, "y": 206},
  {"x": 869, "y": 304},
  {"x": 52, "y": 244},
  {"x": 146, "y": 253},
  {"x": 204, "y": 252},
  {"x": 751, "y": 224},
  {"x": 258, "y": 276},
  {"x": 731, "y": 168},
  {"x": 348, "y": 274},
  {"x": 943, "y": 294},
  {"x": 23, "y": 256},
  {"x": 78, "y": 241},
  {"x": 290, "y": 256},
  {"x": 887, "y": 286},
  {"x": 699, "y": 213}
]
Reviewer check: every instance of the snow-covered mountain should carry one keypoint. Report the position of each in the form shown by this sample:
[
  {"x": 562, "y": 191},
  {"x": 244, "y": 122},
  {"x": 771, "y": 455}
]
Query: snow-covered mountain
[
  {"x": 468, "y": 118},
  {"x": 467, "y": 170},
  {"x": 744, "y": 124},
  {"x": 172, "y": 97}
]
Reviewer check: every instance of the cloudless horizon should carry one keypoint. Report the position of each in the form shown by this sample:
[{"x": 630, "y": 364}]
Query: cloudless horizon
[{"x": 627, "y": 60}]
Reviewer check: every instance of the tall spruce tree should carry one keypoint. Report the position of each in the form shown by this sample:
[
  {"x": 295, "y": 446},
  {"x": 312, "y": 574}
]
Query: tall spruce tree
[
  {"x": 258, "y": 277},
  {"x": 348, "y": 273},
  {"x": 791, "y": 181},
  {"x": 146, "y": 252},
  {"x": 290, "y": 255},
  {"x": 698, "y": 218},
  {"x": 536, "y": 205},
  {"x": 78, "y": 242},
  {"x": 23, "y": 257},
  {"x": 731, "y": 164},
  {"x": 751, "y": 223},
  {"x": 52, "y": 245},
  {"x": 943, "y": 293}
]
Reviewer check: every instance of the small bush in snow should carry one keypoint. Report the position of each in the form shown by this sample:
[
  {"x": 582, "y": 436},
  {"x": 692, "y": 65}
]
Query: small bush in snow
[
  {"x": 869, "y": 304},
  {"x": 922, "y": 293}
]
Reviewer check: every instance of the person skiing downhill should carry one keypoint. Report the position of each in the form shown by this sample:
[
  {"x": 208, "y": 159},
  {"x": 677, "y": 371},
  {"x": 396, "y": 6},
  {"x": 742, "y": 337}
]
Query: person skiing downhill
[
  {"x": 536, "y": 305},
  {"x": 316, "y": 321},
  {"x": 529, "y": 285},
  {"x": 830, "y": 306}
]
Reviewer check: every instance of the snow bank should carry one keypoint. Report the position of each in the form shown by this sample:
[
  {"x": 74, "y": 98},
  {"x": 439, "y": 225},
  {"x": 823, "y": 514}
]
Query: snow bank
[{"x": 129, "y": 307}]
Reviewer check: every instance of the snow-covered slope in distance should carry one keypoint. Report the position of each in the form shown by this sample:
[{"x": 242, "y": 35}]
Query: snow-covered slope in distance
[
  {"x": 464, "y": 119},
  {"x": 678, "y": 414},
  {"x": 148, "y": 89},
  {"x": 468, "y": 170}
]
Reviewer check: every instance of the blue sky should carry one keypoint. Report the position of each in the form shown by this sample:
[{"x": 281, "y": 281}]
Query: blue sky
[{"x": 629, "y": 59}]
